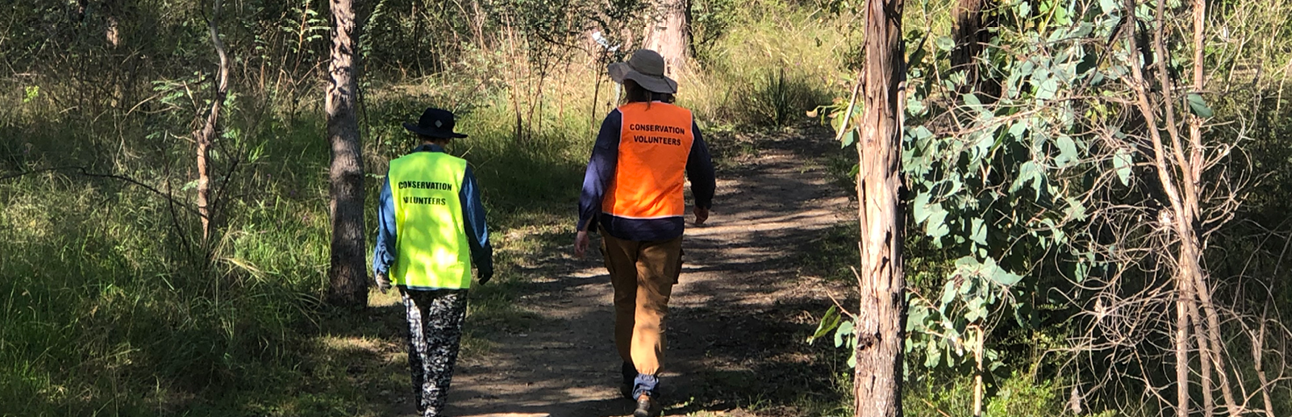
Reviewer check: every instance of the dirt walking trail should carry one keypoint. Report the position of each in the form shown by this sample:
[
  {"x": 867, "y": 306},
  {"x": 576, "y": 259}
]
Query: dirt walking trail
[{"x": 737, "y": 317}]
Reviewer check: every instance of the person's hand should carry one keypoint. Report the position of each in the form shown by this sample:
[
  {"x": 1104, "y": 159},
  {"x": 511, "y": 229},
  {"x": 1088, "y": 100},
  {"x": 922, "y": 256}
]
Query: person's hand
[
  {"x": 581, "y": 242},
  {"x": 485, "y": 275},
  {"x": 701, "y": 214},
  {"x": 383, "y": 283}
]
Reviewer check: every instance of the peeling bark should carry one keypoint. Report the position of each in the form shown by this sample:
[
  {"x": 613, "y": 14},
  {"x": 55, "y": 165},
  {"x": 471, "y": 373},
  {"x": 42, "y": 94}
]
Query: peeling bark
[{"x": 881, "y": 323}]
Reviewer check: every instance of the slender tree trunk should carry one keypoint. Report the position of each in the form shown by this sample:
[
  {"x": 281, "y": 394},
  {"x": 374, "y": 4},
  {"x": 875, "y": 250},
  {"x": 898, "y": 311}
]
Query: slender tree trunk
[
  {"x": 347, "y": 275},
  {"x": 1258, "y": 350},
  {"x": 670, "y": 34},
  {"x": 206, "y": 136},
  {"x": 1164, "y": 173},
  {"x": 881, "y": 322},
  {"x": 968, "y": 36},
  {"x": 1181, "y": 345},
  {"x": 1195, "y": 165},
  {"x": 1204, "y": 352}
]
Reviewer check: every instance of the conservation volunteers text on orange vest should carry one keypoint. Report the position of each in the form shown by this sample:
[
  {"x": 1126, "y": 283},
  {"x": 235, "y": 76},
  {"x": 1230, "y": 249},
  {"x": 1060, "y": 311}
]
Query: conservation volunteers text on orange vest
[{"x": 654, "y": 142}]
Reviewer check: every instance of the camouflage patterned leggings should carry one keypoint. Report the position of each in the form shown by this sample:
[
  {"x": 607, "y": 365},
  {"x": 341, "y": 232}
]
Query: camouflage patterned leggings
[{"x": 434, "y": 329}]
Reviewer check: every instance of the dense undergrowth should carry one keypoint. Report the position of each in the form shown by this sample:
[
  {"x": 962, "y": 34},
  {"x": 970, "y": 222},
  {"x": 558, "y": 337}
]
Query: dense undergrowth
[{"x": 113, "y": 305}]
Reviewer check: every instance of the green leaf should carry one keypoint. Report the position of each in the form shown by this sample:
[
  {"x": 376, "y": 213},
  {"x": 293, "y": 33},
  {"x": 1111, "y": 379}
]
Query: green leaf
[
  {"x": 849, "y": 138},
  {"x": 937, "y": 227},
  {"x": 1028, "y": 172},
  {"x": 844, "y": 332},
  {"x": 1067, "y": 151},
  {"x": 949, "y": 291},
  {"x": 1006, "y": 278},
  {"x": 837, "y": 118},
  {"x": 1047, "y": 89},
  {"x": 1018, "y": 129},
  {"x": 1122, "y": 163},
  {"x": 1108, "y": 6},
  {"x": 1024, "y": 9},
  {"x": 915, "y": 316},
  {"x": 828, "y": 322},
  {"x": 1075, "y": 210},
  {"x": 915, "y": 107},
  {"x": 1081, "y": 271},
  {"x": 931, "y": 355},
  {"x": 1199, "y": 106},
  {"x": 920, "y": 208},
  {"x": 975, "y": 309},
  {"x": 978, "y": 231},
  {"x": 946, "y": 44}
]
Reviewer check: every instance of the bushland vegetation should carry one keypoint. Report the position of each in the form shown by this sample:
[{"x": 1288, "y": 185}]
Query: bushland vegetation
[
  {"x": 114, "y": 300},
  {"x": 1050, "y": 268}
]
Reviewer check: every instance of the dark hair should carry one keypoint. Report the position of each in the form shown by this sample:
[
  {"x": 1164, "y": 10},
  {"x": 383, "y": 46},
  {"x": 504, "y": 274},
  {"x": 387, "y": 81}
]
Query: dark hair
[
  {"x": 634, "y": 93},
  {"x": 433, "y": 139}
]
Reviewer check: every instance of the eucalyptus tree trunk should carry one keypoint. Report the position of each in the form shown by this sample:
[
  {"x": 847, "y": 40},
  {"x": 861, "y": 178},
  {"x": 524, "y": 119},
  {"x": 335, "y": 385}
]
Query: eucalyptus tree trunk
[
  {"x": 670, "y": 34},
  {"x": 970, "y": 34},
  {"x": 347, "y": 274},
  {"x": 881, "y": 321}
]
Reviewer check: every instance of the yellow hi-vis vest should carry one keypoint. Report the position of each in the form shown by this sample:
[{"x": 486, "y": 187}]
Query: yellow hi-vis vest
[{"x": 430, "y": 237}]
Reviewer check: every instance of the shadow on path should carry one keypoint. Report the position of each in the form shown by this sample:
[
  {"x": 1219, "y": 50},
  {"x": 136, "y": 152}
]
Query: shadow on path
[{"x": 739, "y": 315}]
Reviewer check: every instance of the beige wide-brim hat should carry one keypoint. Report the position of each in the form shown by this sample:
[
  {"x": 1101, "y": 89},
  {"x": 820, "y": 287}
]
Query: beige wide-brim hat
[{"x": 646, "y": 67}]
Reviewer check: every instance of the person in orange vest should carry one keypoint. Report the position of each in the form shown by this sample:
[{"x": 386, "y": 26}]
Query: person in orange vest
[
  {"x": 632, "y": 194},
  {"x": 431, "y": 229}
]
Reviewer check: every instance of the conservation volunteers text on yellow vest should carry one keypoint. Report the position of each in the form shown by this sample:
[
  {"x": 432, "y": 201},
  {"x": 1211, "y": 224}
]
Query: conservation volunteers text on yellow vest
[{"x": 430, "y": 239}]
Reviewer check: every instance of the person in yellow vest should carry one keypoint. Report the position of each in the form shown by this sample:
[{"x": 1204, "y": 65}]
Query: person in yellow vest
[
  {"x": 632, "y": 194},
  {"x": 431, "y": 228}
]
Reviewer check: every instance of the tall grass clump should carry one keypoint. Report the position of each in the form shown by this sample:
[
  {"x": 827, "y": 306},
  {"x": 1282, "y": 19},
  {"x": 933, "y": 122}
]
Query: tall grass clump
[{"x": 774, "y": 62}]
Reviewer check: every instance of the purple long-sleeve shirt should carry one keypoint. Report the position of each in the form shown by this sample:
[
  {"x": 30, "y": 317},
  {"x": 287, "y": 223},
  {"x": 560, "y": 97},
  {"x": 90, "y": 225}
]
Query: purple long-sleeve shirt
[{"x": 601, "y": 172}]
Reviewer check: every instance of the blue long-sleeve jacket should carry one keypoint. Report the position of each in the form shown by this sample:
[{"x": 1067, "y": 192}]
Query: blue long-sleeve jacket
[
  {"x": 473, "y": 215},
  {"x": 601, "y": 171}
]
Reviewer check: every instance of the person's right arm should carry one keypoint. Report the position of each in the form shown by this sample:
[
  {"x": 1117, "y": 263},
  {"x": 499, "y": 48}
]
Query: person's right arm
[
  {"x": 601, "y": 170},
  {"x": 383, "y": 252}
]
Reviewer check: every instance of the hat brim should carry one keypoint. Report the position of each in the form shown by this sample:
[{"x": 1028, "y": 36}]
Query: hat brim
[
  {"x": 620, "y": 71},
  {"x": 432, "y": 133}
]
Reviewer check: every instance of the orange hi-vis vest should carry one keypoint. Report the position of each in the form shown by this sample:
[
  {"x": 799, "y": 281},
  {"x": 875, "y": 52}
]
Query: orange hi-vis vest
[{"x": 654, "y": 143}]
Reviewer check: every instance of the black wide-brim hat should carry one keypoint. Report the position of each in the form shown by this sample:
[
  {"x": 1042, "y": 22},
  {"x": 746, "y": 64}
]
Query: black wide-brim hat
[{"x": 436, "y": 123}]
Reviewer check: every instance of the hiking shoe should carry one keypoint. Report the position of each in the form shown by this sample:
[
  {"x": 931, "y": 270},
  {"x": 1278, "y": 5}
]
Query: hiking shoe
[{"x": 646, "y": 407}]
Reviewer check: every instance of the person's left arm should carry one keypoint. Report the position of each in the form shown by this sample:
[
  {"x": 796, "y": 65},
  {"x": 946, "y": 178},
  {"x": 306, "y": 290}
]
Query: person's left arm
[
  {"x": 473, "y": 215},
  {"x": 699, "y": 169}
]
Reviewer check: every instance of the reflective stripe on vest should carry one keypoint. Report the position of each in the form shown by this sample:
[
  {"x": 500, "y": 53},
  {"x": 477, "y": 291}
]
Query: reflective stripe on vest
[
  {"x": 654, "y": 142},
  {"x": 430, "y": 238}
]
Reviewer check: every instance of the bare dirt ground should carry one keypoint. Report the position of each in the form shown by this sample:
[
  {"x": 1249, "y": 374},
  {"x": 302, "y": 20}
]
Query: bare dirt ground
[{"x": 738, "y": 319}]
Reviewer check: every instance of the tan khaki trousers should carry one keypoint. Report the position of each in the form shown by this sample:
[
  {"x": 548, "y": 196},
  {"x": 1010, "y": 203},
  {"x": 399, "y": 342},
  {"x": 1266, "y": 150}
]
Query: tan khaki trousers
[{"x": 643, "y": 274}]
